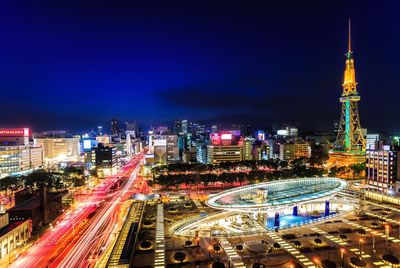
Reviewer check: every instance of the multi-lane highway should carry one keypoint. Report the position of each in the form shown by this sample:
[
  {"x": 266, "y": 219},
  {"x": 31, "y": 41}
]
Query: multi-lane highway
[{"x": 79, "y": 236}]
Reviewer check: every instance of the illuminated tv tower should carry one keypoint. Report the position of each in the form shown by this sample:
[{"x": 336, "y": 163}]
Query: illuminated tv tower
[{"x": 349, "y": 146}]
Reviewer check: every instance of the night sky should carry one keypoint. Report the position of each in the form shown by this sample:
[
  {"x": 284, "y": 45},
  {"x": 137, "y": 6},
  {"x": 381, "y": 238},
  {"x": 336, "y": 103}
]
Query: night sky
[{"x": 77, "y": 64}]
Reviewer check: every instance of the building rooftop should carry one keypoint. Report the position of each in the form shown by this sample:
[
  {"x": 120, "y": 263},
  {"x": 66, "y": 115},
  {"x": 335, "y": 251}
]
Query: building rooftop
[
  {"x": 33, "y": 202},
  {"x": 10, "y": 227}
]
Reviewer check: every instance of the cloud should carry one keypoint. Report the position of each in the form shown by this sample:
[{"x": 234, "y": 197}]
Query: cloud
[{"x": 257, "y": 102}]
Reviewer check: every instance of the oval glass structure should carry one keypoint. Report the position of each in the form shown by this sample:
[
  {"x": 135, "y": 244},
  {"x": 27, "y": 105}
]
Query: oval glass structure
[{"x": 267, "y": 196}]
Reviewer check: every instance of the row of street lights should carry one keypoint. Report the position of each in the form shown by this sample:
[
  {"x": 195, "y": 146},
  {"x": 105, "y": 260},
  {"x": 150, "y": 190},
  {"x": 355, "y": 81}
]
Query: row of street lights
[{"x": 360, "y": 242}]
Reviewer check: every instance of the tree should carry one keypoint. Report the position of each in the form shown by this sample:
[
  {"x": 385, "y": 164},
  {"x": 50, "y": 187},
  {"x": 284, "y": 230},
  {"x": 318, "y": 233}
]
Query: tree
[
  {"x": 12, "y": 183},
  {"x": 78, "y": 181},
  {"x": 40, "y": 178},
  {"x": 73, "y": 171},
  {"x": 180, "y": 256}
]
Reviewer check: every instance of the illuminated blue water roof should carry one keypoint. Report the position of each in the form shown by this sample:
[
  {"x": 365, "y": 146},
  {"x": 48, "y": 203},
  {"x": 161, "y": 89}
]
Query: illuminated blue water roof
[{"x": 277, "y": 194}]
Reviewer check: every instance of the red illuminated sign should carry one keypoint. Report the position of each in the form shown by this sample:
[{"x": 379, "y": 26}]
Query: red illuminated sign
[
  {"x": 215, "y": 138},
  {"x": 226, "y": 136},
  {"x": 15, "y": 132}
]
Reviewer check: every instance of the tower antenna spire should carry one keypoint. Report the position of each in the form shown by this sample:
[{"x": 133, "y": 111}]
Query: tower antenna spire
[{"x": 349, "y": 41}]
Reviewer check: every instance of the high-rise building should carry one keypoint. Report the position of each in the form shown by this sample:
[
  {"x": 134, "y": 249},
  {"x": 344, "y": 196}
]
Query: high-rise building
[
  {"x": 261, "y": 150},
  {"x": 288, "y": 131},
  {"x": 172, "y": 148},
  {"x": 165, "y": 148},
  {"x": 100, "y": 130},
  {"x": 248, "y": 148},
  {"x": 185, "y": 126},
  {"x": 114, "y": 126},
  {"x": 382, "y": 169},
  {"x": 104, "y": 159},
  {"x": 132, "y": 129},
  {"x": 373, "y": 138},
  {"x": 36, "y": 157},
  {"x": 177, "y": 126},
  {"x": 201, "y": 153},
  {"x": 349, "y": 146}
]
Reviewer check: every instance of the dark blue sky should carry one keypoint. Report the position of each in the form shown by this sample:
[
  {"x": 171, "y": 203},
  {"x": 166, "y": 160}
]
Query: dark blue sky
[{"x": 76, "y": 64}]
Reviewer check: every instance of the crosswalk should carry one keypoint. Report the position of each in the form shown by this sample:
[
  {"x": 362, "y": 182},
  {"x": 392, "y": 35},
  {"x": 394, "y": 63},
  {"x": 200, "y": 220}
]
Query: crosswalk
[
  {"x": 306, "y": 262},
  {"x": 233, "y": 256},
  {"x": 199, "y": 205},
  {"x": 159, "y": 247},
  {"x": 330, "y": 237}
]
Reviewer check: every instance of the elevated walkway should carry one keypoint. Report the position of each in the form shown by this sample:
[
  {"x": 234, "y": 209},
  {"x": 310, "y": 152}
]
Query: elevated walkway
[{"x": 125, "y": 245}]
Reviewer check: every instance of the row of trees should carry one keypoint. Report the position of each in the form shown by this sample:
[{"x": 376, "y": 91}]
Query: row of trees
[
  {"x": 70, "y": 177},
  {"x": 240, "y": 165},
  {"x": 173, "y": 180},
  {"x": 355, "y": 170}
]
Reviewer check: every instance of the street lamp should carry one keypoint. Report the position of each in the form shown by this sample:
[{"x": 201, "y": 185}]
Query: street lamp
[
  {"x": 342, "y": 251},
  {"x": 373, "y": 242},
  {"x": 317, "y": 262},
  {"x": 360, "y": 241},
  {"x": 387, "y": 230},
  {"x": 209, "y": 251},
  {"x": 399, "y": 230}
]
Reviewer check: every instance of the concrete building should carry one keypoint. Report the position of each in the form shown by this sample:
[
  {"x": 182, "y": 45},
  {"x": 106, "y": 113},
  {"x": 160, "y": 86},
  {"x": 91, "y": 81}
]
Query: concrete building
[
  {"x": 248, "y": 148},
  {"x": 114, "y": 127},
  {"x": 104, "y": 159},
  {"x": 132, "y": 128},
  {"x": 40, "y": 208},
  {"x": 185, "y": 126},
  {"x": 164, "y": 147},
  {"x": 104, "y": 139},
  {"x": 288, "y": 131},
  {"x": 177, "y": 126},
  {"x": 12, "y": 236},
  {"x": 224, "y": 153},
  {"x": 172, "y": 148},
  {"x": 372, "y": 138},
  {"x": 291, "y": 151},
  {"x": 261, "y": 151},
  {"x": 201, "y": 153},
  {"x": 19, "y": 158},
  {"x": 36, "y": 157},
  {"x": 59, "y": 149},
  {"x": 189, "y": 155},
  {"x": 16, "y": 155},
  {"x": 383, "y": 169}
]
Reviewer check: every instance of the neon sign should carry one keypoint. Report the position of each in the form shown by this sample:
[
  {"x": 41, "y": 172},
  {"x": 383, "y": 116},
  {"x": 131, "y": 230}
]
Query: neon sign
[{"x": 20, "y": 132}]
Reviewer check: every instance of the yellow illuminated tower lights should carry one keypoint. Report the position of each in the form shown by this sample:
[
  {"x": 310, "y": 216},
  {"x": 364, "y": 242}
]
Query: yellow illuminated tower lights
[{"x": 349, "y": 146}]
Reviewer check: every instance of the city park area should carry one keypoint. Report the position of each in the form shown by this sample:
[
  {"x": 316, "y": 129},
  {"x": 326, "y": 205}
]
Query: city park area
[
  {"x": 308, "y": 222},
  {"x": 272, "y": 213}
]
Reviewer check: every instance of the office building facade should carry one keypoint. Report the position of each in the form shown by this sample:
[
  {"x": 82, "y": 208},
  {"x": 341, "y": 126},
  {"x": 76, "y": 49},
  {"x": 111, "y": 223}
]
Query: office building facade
[{"x": 382, "y": 169}]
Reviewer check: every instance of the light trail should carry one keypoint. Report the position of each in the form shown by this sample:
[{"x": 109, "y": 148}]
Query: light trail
[
  {"x": 74, "y": 228},
  {"x": 77, "y": 256}
]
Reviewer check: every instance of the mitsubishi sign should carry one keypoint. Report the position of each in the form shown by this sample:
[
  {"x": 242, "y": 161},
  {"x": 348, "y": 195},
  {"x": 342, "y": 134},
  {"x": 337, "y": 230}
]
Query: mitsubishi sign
[{"x": 14, "y": 132}]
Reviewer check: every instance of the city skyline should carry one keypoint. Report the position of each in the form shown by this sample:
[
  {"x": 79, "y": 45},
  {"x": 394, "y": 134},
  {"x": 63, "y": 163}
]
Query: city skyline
[
  {"x": 204, "y": 134},
  {"x": 223, "y": 62}
]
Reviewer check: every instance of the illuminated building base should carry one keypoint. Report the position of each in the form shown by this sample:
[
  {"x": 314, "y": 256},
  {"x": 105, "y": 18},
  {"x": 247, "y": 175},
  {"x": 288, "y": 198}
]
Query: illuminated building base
[{"x": 337, "y": 158}]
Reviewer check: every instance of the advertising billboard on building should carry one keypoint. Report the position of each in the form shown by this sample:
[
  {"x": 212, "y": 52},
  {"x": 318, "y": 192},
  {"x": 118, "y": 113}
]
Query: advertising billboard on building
[{"x": 14, "y": 132}]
